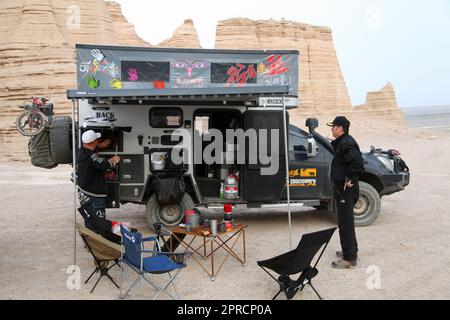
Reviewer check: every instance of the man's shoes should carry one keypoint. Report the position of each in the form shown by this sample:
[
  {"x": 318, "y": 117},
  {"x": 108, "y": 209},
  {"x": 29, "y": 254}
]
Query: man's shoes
[
  {"x": 340, "y": 254},
  {"x": 343, "y": 264}
]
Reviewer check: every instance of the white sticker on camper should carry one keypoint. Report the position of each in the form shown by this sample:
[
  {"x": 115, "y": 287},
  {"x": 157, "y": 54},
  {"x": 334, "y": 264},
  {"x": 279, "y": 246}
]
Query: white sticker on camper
[{"x": 277, "y": 102}]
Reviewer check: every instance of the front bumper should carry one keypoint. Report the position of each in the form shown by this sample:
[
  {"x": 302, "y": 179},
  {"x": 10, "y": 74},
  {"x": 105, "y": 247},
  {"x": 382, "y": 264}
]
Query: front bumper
[{"x": 394, "y": 182}]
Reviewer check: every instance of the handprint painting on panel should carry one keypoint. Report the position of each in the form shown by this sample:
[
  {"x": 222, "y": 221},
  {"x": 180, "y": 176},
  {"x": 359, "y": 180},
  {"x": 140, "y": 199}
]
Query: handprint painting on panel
[
  {"x": 116, "y": 84},
  {"x": 93, "y": 83},
  {"x": 97, "y": 54},
  {"x": 133, "y": 74}
]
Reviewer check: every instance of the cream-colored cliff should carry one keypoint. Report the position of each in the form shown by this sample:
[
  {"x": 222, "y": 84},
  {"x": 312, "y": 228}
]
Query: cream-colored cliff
[
  {"x": 37, "y": 56},
  {"x": 124, "y": 31},
  {"x": 184, "y": 36},
  {"x": 382, "y": 103},
  {"x": 322, "y": 87}
]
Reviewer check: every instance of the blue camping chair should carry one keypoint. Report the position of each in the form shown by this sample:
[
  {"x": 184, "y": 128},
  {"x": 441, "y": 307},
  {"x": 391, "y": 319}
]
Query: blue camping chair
[{"x": 158, "y": 262}]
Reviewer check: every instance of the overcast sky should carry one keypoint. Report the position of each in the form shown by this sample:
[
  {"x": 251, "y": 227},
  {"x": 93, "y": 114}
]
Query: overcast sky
[{"x": 406, "y": 42}]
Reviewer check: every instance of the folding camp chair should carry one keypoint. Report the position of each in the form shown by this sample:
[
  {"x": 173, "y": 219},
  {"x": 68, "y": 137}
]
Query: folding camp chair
[
  {"x": 159, "y": 262},
  {"x": 103, "y": 251},
  {"x": 298, "y": 261}
]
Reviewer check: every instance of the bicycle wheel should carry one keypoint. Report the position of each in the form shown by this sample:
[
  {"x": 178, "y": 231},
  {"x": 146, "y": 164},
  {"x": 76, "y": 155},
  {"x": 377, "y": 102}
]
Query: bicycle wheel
[{"x": 30, "y": 123}]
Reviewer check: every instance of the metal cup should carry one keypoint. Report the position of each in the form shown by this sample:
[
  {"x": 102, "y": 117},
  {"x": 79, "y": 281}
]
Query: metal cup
[{"x": 213, "y": 227}]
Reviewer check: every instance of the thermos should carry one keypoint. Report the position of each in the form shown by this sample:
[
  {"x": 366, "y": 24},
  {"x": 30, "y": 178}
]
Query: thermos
[
  {"x": 213, "y": 227},
  {"x": 188, "y": 213},
  {"x": 228, "y": 212}
]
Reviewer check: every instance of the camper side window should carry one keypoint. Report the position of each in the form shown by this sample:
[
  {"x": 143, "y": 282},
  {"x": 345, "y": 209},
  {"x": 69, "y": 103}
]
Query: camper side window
[
  {"x": 166, "y": 117},
  {"x": 201, "y": 124}
]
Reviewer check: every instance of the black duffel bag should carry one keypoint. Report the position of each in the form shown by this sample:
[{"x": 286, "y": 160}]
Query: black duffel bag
[
  {"x": 39, "y": 150},
  {"x": 169, "y": 190}
]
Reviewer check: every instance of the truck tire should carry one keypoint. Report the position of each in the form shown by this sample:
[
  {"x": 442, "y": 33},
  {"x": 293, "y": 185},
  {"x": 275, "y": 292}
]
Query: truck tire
[
  {"x": 61, "y": 139},
  {"x": 368, "y": 205},
  {"x": 170, "y": 215}
]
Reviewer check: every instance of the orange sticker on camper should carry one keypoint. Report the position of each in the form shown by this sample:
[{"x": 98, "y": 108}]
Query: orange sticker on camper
[{"x": 308, "y": 172}]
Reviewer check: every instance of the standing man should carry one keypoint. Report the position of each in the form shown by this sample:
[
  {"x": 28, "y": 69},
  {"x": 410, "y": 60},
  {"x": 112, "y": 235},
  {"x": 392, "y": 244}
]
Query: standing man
[
  {"x": 346, "y": 169},
  {"x": 90, "y": 172}
]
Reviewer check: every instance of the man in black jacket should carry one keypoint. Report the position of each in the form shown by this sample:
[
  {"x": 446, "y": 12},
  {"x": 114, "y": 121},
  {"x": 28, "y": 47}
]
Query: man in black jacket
[
  {"x": 346, "y": 169},
  {"x": 90, "y": 172}
]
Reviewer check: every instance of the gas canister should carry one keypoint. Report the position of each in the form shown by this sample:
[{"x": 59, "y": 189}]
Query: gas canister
[{"x": 231, "y": 187}]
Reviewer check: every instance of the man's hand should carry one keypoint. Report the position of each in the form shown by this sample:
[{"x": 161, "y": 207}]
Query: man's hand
[
  {"x": 104, "y": 144},
  {"x": 114, "y": 160},
  {"x": 348, "y": 183}
]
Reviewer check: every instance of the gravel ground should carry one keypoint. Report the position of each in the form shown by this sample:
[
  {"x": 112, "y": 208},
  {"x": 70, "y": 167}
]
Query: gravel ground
[{"x": 407, "y": 245}]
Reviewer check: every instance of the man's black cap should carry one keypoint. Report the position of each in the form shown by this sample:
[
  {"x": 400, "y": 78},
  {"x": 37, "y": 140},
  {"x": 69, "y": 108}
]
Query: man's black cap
[{"x": 340, "y": 121}]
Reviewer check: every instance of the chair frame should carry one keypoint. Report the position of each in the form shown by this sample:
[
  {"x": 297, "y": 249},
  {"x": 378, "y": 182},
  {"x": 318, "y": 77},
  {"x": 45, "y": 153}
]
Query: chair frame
[
  {"x": 104, "y": 272},
  {"x": 161, "y": 288},
  {"x": 291, "y": 287}
]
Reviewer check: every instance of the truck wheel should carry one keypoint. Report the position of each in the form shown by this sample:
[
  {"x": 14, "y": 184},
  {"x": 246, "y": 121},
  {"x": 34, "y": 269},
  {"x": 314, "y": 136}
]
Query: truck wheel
[
  {"x": 61, "y": 139},
  {"x": 168, "y": 215},
  {"x": 368, "y": 205}
]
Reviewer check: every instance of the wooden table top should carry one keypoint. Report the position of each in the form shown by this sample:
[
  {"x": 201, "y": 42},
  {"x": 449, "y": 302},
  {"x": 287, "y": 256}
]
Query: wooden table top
[{"x": 205, "y": 231}]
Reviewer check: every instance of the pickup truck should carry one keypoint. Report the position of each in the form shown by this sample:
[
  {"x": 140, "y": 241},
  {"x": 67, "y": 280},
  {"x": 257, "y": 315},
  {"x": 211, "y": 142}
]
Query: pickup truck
[{"x": 310, "y": 156}]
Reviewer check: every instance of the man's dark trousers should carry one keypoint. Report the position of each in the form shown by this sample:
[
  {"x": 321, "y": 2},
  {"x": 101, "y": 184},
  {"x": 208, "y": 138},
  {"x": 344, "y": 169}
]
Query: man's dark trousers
[{"x": 345, "y": 201}]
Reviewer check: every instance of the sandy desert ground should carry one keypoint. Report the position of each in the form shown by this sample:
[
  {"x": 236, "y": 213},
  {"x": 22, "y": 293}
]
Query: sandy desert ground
[{"x": 408, "y": 243}]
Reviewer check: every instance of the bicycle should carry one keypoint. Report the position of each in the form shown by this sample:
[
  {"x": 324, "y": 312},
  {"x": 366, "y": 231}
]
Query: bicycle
[{"x": 36, "y": 118}]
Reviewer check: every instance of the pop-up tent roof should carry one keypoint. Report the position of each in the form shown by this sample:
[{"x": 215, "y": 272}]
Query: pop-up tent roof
[{"x": 154, "y": 73}]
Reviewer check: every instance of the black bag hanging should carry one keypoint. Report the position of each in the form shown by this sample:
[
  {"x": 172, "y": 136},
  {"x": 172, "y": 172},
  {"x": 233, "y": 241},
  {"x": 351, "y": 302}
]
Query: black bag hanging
[
  {"x": 169, "y": 190},
  {"x": 39, "y": 150}
]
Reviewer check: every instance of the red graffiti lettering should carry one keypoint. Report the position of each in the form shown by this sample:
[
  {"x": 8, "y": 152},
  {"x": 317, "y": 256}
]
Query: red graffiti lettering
[
  {"x": 276, "y": 65},
  {"x": 240, "y": 75}
]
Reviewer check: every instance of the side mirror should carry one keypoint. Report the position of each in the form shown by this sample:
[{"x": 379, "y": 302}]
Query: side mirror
[
  {"x": 313, "y": 149},
  {"x": 312, "y": 124}
]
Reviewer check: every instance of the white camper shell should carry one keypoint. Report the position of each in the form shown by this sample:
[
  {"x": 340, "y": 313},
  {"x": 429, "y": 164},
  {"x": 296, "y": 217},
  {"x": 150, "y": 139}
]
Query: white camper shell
[{"x": 154, "y": 103}]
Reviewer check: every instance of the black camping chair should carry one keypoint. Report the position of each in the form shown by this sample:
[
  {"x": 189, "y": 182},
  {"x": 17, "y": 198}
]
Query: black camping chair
[{"x": 298, "y": 261}]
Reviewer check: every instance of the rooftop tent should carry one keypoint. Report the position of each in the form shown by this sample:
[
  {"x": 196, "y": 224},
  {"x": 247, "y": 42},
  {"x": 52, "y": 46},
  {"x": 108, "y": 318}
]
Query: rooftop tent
[{"x": 130, "y": 73}]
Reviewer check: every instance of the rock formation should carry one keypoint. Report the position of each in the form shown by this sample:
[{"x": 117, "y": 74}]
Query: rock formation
[
  {"x": 37, "y": 56},
  {"x": 322, "y": 86},
  {"x": 382, "y": 103},
  {"x": 124, "y": 31},
  {"x": 184, "y": 36}
]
